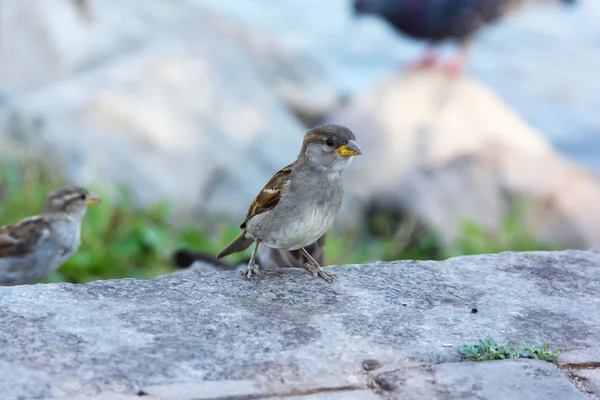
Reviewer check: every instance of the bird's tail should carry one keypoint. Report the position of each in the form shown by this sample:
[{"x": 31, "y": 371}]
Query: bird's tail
[
  {"x": 240, "y": 243},
  {"x": 184, "y": 258}
]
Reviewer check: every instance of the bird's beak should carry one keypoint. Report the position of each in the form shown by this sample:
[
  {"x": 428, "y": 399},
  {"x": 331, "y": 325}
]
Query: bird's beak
[
  {"x": 348, "y": 150},
  {"x": 93, "y": 199}
]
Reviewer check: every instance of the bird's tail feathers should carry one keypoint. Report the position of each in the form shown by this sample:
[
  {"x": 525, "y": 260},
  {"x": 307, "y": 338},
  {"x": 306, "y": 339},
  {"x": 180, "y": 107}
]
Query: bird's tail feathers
[{"x": 240, "y": 243}]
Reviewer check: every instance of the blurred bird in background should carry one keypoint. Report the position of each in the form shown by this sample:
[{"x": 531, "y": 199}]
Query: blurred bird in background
[
  {"x": 34, "y": 247},
  {"x": 440, "y": 20}
]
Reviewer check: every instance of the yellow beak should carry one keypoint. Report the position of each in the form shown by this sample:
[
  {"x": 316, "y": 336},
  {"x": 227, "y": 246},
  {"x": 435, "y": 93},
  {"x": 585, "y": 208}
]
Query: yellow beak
[
  {"x": 348, "y": 150},
  {"x": 93, "y": 199}
]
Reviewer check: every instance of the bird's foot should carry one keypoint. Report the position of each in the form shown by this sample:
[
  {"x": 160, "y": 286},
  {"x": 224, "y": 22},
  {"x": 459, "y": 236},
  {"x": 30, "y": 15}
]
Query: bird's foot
[
  {"x": 252, "y": 270},
  {"x": 453, "y": 68},
  {"x": 319, "y": 272}
]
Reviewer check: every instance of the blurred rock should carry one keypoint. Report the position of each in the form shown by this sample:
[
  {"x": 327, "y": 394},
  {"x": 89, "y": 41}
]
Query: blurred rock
[
  {"x": 50, "y": 41},
  {"x": 446, "y": 151},
  {"x": 298, "y": 79},
  {"x": 165, "y": 123},
  {"x": 167, "y": 98}
]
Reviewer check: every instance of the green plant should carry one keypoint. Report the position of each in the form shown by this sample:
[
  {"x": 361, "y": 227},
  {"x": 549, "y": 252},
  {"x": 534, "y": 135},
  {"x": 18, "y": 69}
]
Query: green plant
[
  {"x": 118, "y": 240},
  {"x": 512, "y": 235},
  {"x": 540, "y": 352},
  {"x": 487, "y": 349}
]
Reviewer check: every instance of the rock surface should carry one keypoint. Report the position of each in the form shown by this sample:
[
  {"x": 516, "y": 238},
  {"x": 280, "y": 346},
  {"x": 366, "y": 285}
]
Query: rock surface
[
  {"x": 447, "y": 151},
  {"x": 380, "y": 331}
]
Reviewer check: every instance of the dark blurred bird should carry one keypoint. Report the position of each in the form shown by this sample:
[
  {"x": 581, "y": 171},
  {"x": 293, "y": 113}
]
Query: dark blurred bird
[
  {"x": 184, "y": 258},
  {"x": 439, "y": 20}
]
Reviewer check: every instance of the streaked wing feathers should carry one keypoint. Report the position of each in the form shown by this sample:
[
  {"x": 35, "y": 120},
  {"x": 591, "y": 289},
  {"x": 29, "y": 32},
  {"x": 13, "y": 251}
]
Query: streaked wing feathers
[
  {"x": 270, "y": 195},
  {"x": 19, "y": 239}
]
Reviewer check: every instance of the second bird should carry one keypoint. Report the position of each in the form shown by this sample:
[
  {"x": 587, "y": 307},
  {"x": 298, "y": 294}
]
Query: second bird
[
  {"x": 34, "y": 247},
  {"x": 300, "y": 202},
  {"x": 438, "y": 20}
]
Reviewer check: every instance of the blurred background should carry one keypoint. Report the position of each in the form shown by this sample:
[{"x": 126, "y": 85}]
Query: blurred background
[{"x": 177, "y": 112}]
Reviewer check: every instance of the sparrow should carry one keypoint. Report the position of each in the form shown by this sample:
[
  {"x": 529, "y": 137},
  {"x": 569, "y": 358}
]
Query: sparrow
[
  {"x": 299, "y": 204},
  {"x": 438, "y": 20},
  {"x": 34, "y": 247}
]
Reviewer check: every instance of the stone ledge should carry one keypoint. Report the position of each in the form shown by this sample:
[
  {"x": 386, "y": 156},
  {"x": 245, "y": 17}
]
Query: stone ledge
[{"x": 294, "y": 337}]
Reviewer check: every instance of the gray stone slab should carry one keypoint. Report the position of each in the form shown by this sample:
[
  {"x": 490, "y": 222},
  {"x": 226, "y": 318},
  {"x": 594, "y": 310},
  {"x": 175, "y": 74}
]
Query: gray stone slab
[
  {"x": 205, "y": 390},
  {"x": 341, "y": 395},
  {"x": 112, "y": 396},
  {"x": 580, "y": 358},
  {"x": 289, "y": 334},
  {"x": 490, "y": 380}
]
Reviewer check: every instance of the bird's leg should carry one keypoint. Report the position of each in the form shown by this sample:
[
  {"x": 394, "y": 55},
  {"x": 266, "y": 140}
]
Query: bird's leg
[
  {"x": 455, "y": 66},
  {"x": 314, "y": 267},
  {"x": 252, "y": 267}
]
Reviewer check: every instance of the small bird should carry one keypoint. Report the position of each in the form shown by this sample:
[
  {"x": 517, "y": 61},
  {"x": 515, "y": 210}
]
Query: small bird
[
  {"x": 34, "y": 247},
  {"x": 298, "y": 205},
  {"x": 438, "y": 20}
]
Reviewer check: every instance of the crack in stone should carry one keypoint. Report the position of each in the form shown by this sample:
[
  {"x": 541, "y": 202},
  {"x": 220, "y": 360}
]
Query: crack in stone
[
  {"x": 293, "y": 392},
  {"x": 580, "y": 383},
  {"x": 581, "y": 366}
]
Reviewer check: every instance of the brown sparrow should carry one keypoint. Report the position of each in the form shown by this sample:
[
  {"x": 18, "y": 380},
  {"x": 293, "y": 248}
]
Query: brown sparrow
[
  {"x": 34, "y": 247},
  {"x": 298, "y": 205}
]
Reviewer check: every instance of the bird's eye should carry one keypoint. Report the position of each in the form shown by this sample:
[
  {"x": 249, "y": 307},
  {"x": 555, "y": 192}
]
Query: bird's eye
[
  {"x": 82, "y": 196},
  {"x": 329, "y": 142}
]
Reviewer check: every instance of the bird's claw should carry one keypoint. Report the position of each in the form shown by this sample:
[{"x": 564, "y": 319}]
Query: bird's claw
[
  {"x": 250, "y": 271},
  {"x": 320, "y": 272}
]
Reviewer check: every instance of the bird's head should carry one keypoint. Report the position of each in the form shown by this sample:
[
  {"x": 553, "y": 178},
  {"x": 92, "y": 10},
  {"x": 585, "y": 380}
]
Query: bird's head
[
  {"x": 71, "y": 200},
  {"x": 329, "y": 147}
]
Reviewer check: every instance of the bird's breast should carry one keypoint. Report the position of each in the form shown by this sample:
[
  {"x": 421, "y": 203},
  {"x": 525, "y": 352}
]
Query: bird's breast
[
  {"x": 300, "y": 218},
  {"x": 65, "y": 238}
]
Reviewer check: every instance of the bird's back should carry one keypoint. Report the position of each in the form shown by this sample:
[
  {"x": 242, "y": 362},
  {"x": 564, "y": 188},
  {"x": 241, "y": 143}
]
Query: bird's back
[
  {"x": 459, "y": 19},
  {"x": 31, "y": 249},
  {"x": 443, "y": 19}
]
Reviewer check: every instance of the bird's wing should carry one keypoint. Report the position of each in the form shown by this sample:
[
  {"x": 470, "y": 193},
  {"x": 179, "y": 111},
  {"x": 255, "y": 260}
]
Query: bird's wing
[
  {"x": 19, "y": 239},
  {"x": 270, "y": 195}
]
